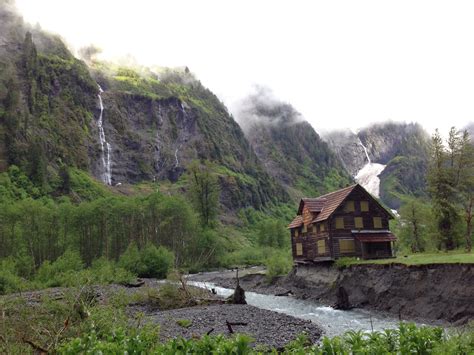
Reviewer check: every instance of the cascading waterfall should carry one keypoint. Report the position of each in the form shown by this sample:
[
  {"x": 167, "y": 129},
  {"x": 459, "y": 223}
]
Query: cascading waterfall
[
  {"x": 368, "y": 176},
  {"x": 105, "y": 153},
  {"x": 183, "y": 110}
]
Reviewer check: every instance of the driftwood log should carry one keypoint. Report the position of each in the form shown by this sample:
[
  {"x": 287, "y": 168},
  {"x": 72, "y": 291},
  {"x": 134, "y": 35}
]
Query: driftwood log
[
  {"x": 286, "y": 293},
  {"x": 137, "y": 283},
  {"x": 230, "y": 324},
  {"x": 239, "y": 293}
]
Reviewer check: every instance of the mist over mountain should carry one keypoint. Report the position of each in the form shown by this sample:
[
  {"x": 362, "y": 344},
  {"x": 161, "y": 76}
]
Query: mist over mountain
[
  {"x": 290, "y": 149},
  {"x": 136, "y": 124}
]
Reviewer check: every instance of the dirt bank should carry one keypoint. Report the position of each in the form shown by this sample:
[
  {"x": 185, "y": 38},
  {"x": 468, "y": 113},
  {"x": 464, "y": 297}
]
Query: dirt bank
[{"x": 437, "y": 292}]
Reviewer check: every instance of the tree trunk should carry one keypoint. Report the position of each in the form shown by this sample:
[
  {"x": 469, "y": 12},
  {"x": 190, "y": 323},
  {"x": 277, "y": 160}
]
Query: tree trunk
[{"x": 469, "y": 225}]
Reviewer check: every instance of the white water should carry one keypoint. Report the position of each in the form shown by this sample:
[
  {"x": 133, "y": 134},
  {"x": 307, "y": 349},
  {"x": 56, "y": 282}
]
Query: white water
[
  {"x": 105, "y": 153},
  {"x": 368, "y": 176},
  {"x": 334, "y": 322},
  {"x": 176, "y": 156}
]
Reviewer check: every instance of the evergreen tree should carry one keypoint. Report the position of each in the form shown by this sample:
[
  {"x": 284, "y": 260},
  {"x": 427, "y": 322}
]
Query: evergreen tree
[
  {"x": 465, "y": 183},
  {"x": 442, "y": 189}
]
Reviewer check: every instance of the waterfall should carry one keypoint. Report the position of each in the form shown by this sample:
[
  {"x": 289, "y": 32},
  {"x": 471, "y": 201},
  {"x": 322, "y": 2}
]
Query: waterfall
[
  {"x": 176, "y": 156},
  {"x": 368, "y": 176},
  {"x": 365, "y": 150},
  {"x": 105, "y": 153}
]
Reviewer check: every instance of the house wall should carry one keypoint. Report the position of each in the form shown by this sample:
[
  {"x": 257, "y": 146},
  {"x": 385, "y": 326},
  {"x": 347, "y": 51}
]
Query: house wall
[
  {"x": 349, "y": 222},
  {"x": 309, "y": 239},
  {"x": 309, "y": 242}
]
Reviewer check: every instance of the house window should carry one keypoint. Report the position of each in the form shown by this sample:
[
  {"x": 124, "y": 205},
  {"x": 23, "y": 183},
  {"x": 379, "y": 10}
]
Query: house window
[
  {"x": 349, "y": 206},
  {"x": 346, "y": 246},
  {"x": 322, "y": 228},
  {"x": 359, "y": 223},
  {"x": 364, "y": 206},
  {"x": 339, "y": 223},
  {"x": 297, "y": 232},
  {"x": 305, "y": 229},
  {"x": 321, "y": 246},
  {"x": 299, "y": 249},
  {"x": 377, "y": 222}
]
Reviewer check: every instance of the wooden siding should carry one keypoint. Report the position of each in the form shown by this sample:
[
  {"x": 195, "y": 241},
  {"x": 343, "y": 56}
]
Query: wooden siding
[
  {"x": 349, "y": 222},
  {"x": 312, "y": 233},
  {"x": 307, "y": 216}
]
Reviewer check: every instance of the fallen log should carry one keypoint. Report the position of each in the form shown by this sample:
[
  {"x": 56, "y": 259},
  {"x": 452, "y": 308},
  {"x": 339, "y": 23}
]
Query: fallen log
[
  {"x": 137, "y": 283},
  {"x": 286, "y": 293}
]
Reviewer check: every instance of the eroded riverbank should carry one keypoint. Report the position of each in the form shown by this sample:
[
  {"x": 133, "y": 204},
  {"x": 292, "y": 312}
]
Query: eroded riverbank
[{"x": 435, "y": 294}]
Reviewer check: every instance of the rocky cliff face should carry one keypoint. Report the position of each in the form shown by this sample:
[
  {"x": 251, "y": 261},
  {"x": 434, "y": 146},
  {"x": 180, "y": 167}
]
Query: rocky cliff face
[
  {"x": 290, "y": 149},
  {"x": 148, "y": 126},
  {"x": 348, "y": 148},
  {"x": 157, "y": 124},
  {"x": 402, "y": 148}
]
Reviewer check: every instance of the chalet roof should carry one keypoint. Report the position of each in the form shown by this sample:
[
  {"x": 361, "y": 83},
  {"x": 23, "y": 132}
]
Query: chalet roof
[
  {"x": 313, "y": 204},
  {"x": 332, "y": 201},
  {"x": 297, "y": 222},
  {"x": 324, "y": 206}
]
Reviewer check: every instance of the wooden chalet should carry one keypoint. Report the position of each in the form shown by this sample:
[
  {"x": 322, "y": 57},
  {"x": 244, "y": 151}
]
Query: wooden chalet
[{"x": 346, "y": 223}]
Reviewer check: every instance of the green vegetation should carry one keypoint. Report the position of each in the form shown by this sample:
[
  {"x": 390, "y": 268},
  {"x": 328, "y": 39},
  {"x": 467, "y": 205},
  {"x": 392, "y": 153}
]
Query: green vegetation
[
  {"x": 442, "y": 220},
  {"x": 451, "y": 187},
  {"x": 185, "y": 323},
  {"x": 407, "y": 339},
  {"x": 451, "y": 257}
]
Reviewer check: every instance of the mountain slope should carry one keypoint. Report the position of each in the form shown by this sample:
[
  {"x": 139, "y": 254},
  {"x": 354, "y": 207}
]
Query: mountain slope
[
  {"x": 402, "y": 148},
  {"x": 150, "y": 127},
  {"x": 290, "y": 149}
]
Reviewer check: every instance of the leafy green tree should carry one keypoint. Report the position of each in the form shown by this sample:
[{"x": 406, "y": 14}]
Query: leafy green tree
[
  {"x": 204, "y": 190},
  {"x": 272, "y": 233},
  {"x": 415, "y": 218},
  {"x": 177, "y": 226}
]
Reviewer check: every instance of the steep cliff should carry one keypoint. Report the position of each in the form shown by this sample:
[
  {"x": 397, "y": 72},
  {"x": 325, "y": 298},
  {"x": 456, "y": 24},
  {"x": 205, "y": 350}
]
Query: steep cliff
[
  {"x": 290, "y": 149},
  {"x": 46, "y": 101},
  {"x": 138, "y": 125},
  {"x": 402, "y": 148},
  {"x": 157, "y": 123}
]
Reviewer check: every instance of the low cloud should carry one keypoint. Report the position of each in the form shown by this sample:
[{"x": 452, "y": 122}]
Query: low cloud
[{"x": 263, "y": 107}]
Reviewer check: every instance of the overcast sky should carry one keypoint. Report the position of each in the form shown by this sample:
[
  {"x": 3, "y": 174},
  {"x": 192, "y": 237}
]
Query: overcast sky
[{"x": 340, "y": 63}]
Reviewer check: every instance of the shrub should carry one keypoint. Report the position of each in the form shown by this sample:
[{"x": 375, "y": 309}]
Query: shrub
[
  {"x": 157, "y": 261},
  {"x": 148, "y": 262},
  {"x": 131, "y": 260},
  {"x": 277, "y": 265},
  {"x": 9, "y": 282},
  {"x": 185, "y": 323},
  {"x": 62, "y": 272}
]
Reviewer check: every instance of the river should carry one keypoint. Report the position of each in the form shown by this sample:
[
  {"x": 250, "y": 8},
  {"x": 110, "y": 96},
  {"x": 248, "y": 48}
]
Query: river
[{"x": 332, "y": 321}]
